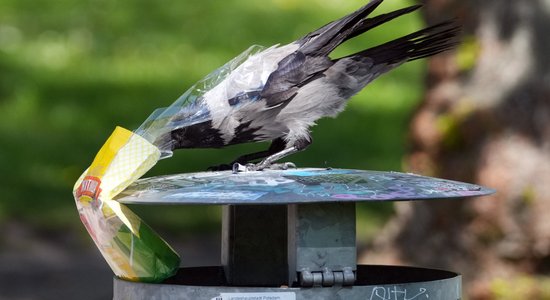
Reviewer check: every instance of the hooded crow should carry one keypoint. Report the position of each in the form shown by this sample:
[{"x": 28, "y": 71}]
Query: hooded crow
[{"x": 277, "y": 94}]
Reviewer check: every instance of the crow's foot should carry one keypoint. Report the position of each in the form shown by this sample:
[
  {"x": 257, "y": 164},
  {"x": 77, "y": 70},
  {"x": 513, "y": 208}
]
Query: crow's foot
[{"x": 260, "y": 166}]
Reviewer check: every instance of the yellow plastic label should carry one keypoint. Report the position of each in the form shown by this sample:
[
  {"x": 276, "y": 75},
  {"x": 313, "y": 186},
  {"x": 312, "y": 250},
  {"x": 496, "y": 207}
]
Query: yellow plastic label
[
  {"x": 115, "y": 229},
  {"x": 89, "y": 187},
  {"x": 123, "y": 159},
  {"x": 118, "y": 139}
]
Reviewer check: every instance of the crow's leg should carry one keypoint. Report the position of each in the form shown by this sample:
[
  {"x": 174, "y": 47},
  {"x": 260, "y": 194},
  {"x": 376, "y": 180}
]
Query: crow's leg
[
  {"x": 277, "y": 145},
  {"x": 268, "y": 161}
]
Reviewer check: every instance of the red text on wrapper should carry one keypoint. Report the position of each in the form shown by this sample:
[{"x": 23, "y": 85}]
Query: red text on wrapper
[{"x": 89, "y": 188}]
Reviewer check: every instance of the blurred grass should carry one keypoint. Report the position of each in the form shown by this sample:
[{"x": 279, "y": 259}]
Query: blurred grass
[
  {"x": 520, "y": 287},
  {"x": 70, "y": 71}
]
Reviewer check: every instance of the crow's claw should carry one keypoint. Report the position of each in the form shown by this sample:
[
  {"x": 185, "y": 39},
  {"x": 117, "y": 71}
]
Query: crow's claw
[
  {"x": 259, "y": 167},
  {"x": 282, "y": 166}
]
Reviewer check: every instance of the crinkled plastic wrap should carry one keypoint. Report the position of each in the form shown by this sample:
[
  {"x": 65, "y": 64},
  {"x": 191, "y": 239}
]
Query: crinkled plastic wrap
[
  {"x": 233, "y": 79},
  {"x": 130, "y": 247}
]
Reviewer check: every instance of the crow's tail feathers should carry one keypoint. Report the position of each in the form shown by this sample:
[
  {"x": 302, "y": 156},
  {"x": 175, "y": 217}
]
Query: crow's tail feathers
[
  {"x": 325, "y": 39},
  {"x": 370, "y": 23},
  {"x": 423, "y": 43}
]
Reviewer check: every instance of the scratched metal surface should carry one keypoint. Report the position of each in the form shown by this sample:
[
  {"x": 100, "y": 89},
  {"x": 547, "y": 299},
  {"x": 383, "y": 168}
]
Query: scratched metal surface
[
  {"x": 293, "y": 186},
  {"x": 374, "y": 283}
]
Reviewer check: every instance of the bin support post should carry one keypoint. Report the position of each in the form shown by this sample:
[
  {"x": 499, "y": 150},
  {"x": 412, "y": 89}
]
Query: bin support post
[
  {"x": 321, "y": 244},
  {"x": 254, "y": 245}
]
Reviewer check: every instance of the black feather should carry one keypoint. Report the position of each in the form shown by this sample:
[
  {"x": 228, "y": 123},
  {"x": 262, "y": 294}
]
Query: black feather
[
  {"x": 370, "y": 23},
  {"x": 323, "y": 40},
  {"x": 244, "y": 134},
  {"x": 426, "y": 42},
  {"x": 201, "y": 135}
]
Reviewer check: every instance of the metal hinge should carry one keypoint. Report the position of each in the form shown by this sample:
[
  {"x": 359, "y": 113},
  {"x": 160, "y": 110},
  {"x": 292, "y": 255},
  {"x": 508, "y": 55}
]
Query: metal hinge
[{"x": 327, "y": 277}]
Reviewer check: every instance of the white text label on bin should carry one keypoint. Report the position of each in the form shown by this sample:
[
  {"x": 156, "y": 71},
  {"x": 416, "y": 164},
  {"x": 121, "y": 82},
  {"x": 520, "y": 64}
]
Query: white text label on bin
[{"x": 257, "y": 296}]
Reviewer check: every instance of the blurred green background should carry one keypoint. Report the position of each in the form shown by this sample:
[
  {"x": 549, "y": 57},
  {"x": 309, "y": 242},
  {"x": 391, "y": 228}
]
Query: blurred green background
[{"x": 70, "y": 71}]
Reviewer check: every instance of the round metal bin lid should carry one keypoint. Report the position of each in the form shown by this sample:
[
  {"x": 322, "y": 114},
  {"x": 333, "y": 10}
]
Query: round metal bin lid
[{"x": 293, "y": 186}]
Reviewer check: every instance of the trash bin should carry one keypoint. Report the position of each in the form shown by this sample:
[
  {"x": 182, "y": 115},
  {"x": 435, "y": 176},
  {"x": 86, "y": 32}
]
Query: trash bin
[{"x": 290, "y": 234}]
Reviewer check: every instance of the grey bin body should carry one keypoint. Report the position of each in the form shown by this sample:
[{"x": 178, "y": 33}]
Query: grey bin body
[
  {"x": 373, "y": 283},
  {"x": 290, "y": 235}
]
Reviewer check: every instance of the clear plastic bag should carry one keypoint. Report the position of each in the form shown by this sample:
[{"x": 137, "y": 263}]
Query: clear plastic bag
[
  {"x": 191, "y": 108},
  {"x": 130, "y": 247}
]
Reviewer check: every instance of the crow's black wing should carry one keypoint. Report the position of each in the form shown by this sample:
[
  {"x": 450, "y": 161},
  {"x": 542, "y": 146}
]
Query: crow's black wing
[
  {"x": 311, "y": 59},
  {"x": 293, "y": 72}
]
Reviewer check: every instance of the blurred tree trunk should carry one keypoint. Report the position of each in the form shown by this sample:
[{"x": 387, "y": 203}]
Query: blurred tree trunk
[{"x": 485, "y": 119}]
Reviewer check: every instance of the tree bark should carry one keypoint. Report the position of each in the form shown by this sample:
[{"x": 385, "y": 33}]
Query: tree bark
[{"x": 485, "y": 118}]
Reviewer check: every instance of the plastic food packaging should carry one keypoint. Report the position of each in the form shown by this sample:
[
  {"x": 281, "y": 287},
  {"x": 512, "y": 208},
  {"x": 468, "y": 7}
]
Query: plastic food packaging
[{"x": 130, "y": 247}]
